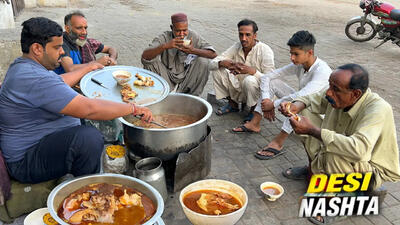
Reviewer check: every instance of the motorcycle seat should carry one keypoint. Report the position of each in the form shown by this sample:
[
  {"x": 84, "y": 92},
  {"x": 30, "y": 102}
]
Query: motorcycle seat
[{"x": 395, "y": 14}]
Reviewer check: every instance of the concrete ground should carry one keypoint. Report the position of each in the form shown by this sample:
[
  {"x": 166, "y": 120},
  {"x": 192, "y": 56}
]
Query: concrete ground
[{"x": 129, "y": 25}]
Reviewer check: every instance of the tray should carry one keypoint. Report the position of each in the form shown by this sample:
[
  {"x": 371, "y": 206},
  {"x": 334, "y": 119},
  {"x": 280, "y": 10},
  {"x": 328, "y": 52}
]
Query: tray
[{"x": 146, "y": 95}]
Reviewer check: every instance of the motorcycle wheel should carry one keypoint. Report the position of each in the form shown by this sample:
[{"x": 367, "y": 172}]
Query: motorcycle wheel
[{"x": 357, "y": 33}]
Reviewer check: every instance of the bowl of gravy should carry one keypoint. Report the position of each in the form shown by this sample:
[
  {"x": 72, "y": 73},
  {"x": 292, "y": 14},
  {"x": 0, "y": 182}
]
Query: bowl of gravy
[
  {"x": 122, "y": 76},
  {"x": 213, "y": 201},
  {"x": 271, "y": 190}
]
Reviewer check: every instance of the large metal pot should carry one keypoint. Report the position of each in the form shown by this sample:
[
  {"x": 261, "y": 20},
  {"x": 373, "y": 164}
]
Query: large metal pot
[
  {"x": 167, "y": 143},
  {"x": 59, "y": 193}
]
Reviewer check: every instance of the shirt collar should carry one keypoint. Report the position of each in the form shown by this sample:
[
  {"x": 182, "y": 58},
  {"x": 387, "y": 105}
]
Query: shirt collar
[
  {"x": 69, "y": 41},
  {"x": 313, "y": 66},
  {"x": 241, "y": 52},
  {"x": 356, "y": 107}
]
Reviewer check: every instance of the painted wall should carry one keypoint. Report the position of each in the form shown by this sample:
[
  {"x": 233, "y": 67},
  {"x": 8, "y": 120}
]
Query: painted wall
[
  {"x": 9, "y": 50},
  {"x": 6, "y": 16},
  {"x": 30, "y": 3},
  {"x": 53, "y": 3}
]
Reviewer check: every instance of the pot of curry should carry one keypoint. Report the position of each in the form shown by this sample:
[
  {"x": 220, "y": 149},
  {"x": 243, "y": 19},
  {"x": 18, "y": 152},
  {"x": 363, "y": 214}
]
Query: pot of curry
[
  {"x": 105, "y": 199},
  {"x": 185, "y": 117}
]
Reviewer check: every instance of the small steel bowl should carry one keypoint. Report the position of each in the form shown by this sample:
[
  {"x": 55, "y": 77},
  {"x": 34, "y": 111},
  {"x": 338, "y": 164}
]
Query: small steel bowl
[{"x": 121, "y": 76}]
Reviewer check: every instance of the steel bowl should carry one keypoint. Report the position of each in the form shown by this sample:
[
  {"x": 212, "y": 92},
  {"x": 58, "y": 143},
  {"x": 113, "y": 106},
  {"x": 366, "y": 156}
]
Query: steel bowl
[
  {"x": 167, "y": 143},
  {"x": 63, "y": 190}
]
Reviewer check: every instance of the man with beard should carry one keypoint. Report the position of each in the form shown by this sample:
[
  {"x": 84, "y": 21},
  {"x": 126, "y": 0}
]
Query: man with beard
[
  {"x": 237, "y": 71},
  {"x": 312, "y": 74},
  {"x": 80, "y": 50},
  {"x": 357, "y": 134},
  {"x": 41, "y": 137},
  {"x": 180, "y": 56}
]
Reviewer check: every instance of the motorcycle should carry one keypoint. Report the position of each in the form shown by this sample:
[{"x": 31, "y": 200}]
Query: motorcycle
[{"x": 363, "y": 28}]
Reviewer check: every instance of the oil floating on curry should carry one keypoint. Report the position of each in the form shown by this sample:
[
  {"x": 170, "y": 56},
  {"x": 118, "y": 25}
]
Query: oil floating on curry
[
  {"x": 106, "y": 204},
  {"x": 211, "y": 202},
  {"x": 168, "y": 120}
]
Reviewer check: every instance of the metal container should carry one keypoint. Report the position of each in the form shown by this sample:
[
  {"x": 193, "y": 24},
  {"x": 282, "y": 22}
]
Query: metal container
[
  {"x": 167, "y": 143},
  {"x": 151, "y": 171},
  {"x": 63, "y": 190}
]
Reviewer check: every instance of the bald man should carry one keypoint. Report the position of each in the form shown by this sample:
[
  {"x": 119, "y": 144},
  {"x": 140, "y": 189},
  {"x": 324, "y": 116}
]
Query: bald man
[
  {"x": 357, "y": 134},
  {"x": 180, "y": 56}
]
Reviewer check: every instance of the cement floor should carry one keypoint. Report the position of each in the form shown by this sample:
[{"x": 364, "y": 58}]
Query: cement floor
[{"x": 130, "y": 25}]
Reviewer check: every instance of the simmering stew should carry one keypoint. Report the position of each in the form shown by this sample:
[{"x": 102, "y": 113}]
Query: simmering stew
[
  {"x": 211, "y": 202},
  {"x": 106, "y": 204},
  {"x": 168, "y": 120}
]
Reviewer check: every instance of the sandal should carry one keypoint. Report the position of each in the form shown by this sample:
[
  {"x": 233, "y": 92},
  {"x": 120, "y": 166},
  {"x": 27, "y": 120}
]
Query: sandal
[
  {"x": 243, "y": 129},
  {"x": 296, "y": 173},
  {"x": 326, "y": 219},
  {"x": 226, "y": 109},
  {"x": 275, "y": 152}
]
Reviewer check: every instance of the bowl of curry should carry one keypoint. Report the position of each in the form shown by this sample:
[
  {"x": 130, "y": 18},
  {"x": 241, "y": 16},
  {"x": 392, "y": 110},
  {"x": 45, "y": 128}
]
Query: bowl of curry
[
  {"x": 105, "y": 199},
  {"x": 213, "y": 201}
]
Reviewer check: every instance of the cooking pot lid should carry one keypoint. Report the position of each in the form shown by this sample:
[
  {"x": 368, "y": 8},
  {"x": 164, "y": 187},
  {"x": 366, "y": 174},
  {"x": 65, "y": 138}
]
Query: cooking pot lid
[{"x": 146, "y": 95}]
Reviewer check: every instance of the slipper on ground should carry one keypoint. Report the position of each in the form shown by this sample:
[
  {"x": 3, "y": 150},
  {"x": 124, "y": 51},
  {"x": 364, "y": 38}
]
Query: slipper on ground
[{"x": 275, "y": 152}]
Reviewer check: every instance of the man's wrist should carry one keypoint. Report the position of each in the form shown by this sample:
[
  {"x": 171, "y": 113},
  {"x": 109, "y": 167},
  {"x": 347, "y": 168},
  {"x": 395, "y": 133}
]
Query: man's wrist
[
  {"x": 220, "y": 64},
  {"x": 315, "y": 132},
  {"x": 134, "y": 108}
]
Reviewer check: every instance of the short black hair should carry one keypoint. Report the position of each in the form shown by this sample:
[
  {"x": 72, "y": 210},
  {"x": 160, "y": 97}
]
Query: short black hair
[
  {"x": 359, "y": 78},
  {"x": 246, "y": 22},
  {"x": 67, "y": 18},
  {"x": 303, "y": 40},
  {"x": 38, "y": 30}
]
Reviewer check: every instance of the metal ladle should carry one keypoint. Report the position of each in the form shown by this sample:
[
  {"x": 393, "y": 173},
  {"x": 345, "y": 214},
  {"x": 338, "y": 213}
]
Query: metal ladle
[{"x": 153, "y": 122}]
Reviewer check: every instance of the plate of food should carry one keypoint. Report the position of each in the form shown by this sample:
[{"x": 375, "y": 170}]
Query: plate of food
[{"x": 125, "y": 84}]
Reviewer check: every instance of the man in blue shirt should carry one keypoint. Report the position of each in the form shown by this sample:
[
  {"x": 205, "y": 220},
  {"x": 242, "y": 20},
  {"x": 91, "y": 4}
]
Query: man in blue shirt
[
  {"x": 79, "y": 49},
  {"x": 40, "y": 134}
]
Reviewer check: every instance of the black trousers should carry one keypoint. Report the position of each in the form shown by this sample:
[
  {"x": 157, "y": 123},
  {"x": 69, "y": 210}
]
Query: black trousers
[{"x": 76, "y": 150}]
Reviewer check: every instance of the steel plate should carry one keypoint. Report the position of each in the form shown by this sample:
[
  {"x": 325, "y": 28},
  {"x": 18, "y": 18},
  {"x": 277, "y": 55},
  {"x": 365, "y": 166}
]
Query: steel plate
[{"x": 146, "y": 95}]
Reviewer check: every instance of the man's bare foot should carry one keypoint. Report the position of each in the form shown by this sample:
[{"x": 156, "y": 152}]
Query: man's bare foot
[
  {"x": 276, "y": 143},
  {"x": 273, "y": 145}
]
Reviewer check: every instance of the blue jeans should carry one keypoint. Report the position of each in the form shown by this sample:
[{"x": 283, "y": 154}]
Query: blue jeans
[{"x": 76, "y": 150}]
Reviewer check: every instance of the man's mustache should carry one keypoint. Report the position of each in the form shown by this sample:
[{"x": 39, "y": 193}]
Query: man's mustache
[{"x": 330, "y": 100}]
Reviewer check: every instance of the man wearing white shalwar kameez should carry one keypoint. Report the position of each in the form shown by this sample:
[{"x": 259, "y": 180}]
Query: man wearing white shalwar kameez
[{"x": 237, "y": 71}]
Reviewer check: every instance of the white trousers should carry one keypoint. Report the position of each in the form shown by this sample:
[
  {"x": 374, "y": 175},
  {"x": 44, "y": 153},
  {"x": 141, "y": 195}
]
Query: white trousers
[
  {"x": 279, "y": 89},
  {"x": 240, "y": 88}
]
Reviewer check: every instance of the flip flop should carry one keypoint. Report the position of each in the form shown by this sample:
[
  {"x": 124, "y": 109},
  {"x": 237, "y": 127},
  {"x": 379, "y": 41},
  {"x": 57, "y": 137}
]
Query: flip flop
[
  {"x": 297, "y": 173},
  {"x": 326, "y": 219},
  {"x": 243, "y": 130},
  {"x": 272, "y": 150},
  {"x": 226, "y": 109}
]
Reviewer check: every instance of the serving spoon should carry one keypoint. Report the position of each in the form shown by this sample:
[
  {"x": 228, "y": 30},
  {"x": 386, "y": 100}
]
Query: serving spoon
[{"x": 153, "y": 122}]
